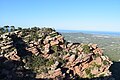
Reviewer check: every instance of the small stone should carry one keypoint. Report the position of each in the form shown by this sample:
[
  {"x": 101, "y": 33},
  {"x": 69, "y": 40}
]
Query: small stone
[
  {"x": 69, "y": 45},
  {"x": 54, "y": 42},
  {"x": 94, "y": 70},
  {"x": 98, "y": 60},
  {"x": 31, "y": 45},
  {"x": 72, "y": 58},
  {"x": 94, "y": 46},
  {"x": 85, "y": 66},
  {"x": 66, "y": 56},
  {"x": 103, "y": 58},
  {"x": 80, "y": 49},
  {"x": 77, "y": 70},
  {"x": 35, "y": 43},
  {"x": 98, "y": 51},
  {"x": 6, "y": 47}
]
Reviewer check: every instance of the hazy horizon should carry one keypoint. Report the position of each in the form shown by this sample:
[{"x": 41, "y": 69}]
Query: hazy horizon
[{"x": 89, "y": 15}]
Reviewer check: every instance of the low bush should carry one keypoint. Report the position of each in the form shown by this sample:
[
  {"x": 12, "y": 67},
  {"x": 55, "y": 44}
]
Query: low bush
[{"x": 86, "y": 49}]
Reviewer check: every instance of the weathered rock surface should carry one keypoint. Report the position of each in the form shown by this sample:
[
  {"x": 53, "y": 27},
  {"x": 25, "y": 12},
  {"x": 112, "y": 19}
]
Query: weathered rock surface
[{"x": 57, "y": 59}]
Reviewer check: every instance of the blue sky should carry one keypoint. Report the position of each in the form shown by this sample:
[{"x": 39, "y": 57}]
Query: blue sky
[{"x": 93, "y": 15}]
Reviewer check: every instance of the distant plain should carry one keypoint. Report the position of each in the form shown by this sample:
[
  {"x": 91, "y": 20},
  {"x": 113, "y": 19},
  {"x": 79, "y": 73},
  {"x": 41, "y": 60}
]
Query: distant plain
[{"x": 109, "y": 42}]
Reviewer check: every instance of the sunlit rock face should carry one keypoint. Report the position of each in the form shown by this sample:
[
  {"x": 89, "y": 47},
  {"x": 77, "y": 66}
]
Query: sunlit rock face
[{"x": 46, "y": 53}]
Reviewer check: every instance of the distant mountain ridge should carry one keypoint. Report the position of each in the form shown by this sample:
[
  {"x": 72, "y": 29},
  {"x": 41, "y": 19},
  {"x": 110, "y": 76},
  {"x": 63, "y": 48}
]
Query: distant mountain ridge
[{"x": 91, "y": 32}]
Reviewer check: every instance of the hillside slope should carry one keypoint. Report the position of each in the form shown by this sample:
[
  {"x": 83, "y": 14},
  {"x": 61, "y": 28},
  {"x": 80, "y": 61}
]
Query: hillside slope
[
  {"x": 110, "y": 44},
  {"x": 46, "y": 53}
]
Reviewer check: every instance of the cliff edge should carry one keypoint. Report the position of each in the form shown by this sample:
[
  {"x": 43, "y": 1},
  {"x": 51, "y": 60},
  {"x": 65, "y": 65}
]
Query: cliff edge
[{"x": 45, "y": 52}]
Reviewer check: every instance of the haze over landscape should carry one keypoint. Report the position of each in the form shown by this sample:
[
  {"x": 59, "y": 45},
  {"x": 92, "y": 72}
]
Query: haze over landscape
[
  {"x": 59, "y": 39},
  {"x": 90, "y": 15}
]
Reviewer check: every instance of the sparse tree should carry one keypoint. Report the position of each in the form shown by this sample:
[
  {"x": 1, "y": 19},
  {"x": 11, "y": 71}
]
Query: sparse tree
[
  {"x": 1, "y": 30},
  {"x": 6, "y": 28},
  {"x": 19, "y": 28},
  {"x": 12, "y": 28}
]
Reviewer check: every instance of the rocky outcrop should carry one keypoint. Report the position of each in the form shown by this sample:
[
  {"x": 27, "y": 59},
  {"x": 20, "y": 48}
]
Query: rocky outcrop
[{"x": 51, "y": 57}]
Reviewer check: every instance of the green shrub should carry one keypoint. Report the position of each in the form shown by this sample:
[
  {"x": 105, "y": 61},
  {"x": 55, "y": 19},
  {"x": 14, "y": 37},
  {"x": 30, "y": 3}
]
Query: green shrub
[
  {"x": 87, "y": 71},
  {"x": 35, "y": 62},
  {"x": 96, "y": 55},
  {"x": 53, "y": 35},
  {"x": 50, "y": 62},
  {"x": 86, "y": 49},
  {"x": 64, "y": 53},
  {"x": 102, "y": 75},
  {"x": 91, "y": 75},
  {"x": 105, "y": 62},
  {"x": 54, "y": 48},
  {"x": 62, "y": 61},
  {"x": 96, "y": 65}
]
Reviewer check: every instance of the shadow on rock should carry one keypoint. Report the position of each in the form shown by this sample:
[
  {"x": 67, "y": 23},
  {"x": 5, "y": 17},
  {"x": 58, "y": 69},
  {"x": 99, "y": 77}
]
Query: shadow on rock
[
  {"x": 115, "y": 69},
  {"x": 14, "y": 70},
  {"x": 20, "y": 45}
]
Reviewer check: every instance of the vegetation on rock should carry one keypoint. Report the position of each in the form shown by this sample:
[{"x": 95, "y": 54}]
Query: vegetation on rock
[{"x": 46, "y": 53}]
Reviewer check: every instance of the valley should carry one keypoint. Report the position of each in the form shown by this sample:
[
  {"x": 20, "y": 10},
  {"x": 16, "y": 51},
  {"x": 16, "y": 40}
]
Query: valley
[{"x": 109, "y": 44}]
